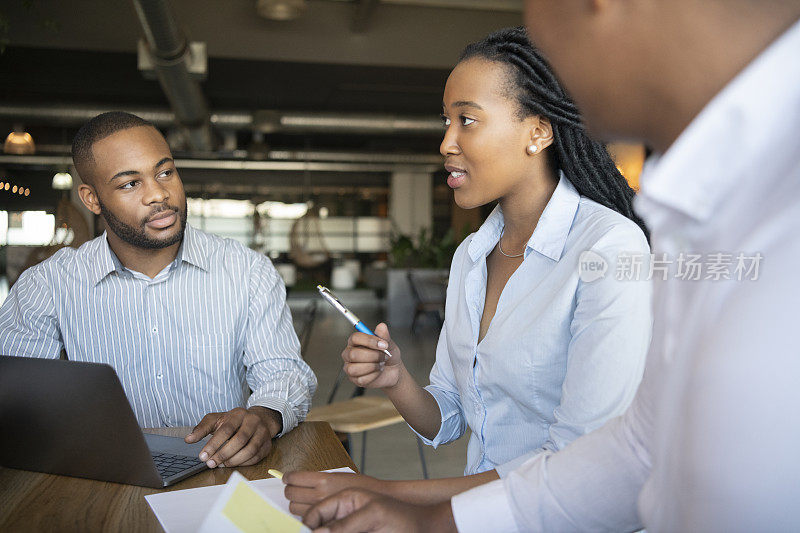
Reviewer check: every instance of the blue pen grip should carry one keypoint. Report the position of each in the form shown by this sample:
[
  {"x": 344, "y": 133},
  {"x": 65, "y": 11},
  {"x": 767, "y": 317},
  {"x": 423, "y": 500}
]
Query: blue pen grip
[{"x": 360, "y": 326}]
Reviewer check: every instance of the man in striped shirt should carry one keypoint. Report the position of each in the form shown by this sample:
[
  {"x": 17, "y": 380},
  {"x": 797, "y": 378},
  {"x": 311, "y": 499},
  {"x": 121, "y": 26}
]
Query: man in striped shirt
[{"x": 190, "y": 322}]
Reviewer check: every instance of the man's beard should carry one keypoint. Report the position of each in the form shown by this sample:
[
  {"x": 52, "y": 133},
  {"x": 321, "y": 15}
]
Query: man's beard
[{"x": 137, "y": 236}]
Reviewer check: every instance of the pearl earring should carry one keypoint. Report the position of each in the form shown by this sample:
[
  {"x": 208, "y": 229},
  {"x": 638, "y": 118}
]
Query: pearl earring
[{"x": 532, "y": 149}]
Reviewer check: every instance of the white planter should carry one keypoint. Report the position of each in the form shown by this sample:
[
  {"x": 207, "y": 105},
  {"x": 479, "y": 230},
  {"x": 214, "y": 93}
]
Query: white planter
[
  {"x": 342, "y": 278},
  {"x": 288, "y": 272}
]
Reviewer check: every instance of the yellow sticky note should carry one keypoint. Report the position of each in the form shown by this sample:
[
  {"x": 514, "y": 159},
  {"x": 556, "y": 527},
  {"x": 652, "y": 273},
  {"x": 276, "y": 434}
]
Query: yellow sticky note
[{"x": 252, "y": 514}]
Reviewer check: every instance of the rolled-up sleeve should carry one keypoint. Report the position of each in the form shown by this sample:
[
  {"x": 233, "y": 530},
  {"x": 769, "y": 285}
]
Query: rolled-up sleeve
[
  {"x": 279, "y": 378},
  {"x": 28, "y": 321},
  {"x": 444, "y": 391}
]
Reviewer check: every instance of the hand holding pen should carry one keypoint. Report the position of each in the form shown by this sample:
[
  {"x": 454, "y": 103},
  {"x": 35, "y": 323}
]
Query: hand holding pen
[
  {"x": 328, "y": 296},
  {"x": 370, "y": 359},
  {"x": 365, "y": 363},
  {"x": 374, "y": 361}
]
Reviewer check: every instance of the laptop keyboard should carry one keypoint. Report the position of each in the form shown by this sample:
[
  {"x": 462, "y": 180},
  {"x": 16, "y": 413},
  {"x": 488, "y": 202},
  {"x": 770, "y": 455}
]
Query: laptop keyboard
[{"x": 168, "y": 464}]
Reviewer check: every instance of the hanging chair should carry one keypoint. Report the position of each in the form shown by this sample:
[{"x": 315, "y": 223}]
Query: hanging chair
[{"x": 307, "y": 247}]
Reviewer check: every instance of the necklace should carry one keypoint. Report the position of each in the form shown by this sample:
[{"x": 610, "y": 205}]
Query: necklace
[{"x": 500, "y": 247}]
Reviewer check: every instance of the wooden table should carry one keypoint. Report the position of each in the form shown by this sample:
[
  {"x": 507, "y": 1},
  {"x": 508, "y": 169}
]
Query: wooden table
[
  {"x": 355, "y": 415},
  {"x": 32, "y": 501}
]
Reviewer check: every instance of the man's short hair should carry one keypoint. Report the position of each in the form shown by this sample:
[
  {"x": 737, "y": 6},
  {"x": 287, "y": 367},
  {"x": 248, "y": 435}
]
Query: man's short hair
[{"x": 98, "y": 128}]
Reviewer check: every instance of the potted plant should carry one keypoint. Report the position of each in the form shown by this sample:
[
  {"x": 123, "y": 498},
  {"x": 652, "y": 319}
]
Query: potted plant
[{"x": 423, "y": 256}]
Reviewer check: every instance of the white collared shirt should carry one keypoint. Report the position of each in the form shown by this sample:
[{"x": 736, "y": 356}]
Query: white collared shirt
[
  {"x": 712, "y": 439},
  {"x": 561, "y": 356}
]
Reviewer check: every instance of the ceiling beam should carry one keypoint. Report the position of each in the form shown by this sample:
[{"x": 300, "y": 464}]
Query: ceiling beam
[{"x": 248, "y": 164}]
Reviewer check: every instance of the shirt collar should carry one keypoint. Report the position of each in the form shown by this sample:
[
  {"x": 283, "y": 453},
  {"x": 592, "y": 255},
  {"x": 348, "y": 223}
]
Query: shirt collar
[
  {"x": 552, "y": 230},
  {"x": 191, "y": 250},
  {"x": 106, "y": 261},
  {"x": 726, "y": 142}
]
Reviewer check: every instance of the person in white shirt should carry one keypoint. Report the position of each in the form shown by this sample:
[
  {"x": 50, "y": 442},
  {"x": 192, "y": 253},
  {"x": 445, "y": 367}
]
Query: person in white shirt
[
  {"x": 711, "y": 440},
  {"x": 533, "y": 352}
]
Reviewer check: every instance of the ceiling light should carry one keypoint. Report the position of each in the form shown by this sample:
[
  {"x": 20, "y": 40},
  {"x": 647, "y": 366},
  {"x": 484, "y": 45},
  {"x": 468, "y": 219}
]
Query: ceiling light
[
  {"x": 62, "y": 181},
  {"x": 280, "y": 9},
  {"x": 19, "y": 143}
]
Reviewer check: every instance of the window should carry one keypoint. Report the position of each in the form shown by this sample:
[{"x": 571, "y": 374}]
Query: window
[{"x": 26, "y": 228}]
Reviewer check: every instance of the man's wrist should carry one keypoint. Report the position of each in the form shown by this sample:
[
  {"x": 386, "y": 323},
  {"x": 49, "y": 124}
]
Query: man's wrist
[
  {"x": 385, "y": 487},
  {"x": 441, "y": 518},
  {"x": 272, "y": 418}
]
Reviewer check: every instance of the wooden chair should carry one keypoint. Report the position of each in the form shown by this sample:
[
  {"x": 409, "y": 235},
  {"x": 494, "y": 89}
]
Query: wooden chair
[{"x": 360, "y": 414}]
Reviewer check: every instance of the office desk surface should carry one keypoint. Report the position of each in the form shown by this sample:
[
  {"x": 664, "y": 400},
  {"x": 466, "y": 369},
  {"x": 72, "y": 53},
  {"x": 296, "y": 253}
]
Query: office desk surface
[{"x": 32, "y": 501}]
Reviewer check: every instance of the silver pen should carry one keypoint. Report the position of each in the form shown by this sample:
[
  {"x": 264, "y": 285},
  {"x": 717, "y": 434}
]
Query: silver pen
[{"x": 353, "y": 319}]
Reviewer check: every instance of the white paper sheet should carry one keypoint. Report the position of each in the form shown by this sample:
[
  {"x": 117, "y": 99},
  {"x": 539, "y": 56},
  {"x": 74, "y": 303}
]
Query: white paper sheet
[{"x": 183, "y": 511}]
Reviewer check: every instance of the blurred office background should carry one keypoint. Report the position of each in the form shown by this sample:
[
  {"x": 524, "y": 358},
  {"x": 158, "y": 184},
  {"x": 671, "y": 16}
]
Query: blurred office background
[{"x": 306, "y": 129}]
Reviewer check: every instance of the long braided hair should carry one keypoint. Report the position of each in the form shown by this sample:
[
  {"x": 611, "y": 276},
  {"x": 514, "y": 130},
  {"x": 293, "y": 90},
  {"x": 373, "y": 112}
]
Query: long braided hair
[{"x": 584, "y": 161}]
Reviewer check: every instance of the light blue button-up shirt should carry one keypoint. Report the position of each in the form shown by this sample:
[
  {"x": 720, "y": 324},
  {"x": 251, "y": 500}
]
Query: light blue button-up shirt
[
  {"x": 195, "y": 339},
  {"x": 561, "y": 356}
]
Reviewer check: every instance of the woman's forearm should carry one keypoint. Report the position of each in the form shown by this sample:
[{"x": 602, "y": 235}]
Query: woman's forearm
[
  {"x": 431, "y": 491},
  {"x": 416, "y": 405}
]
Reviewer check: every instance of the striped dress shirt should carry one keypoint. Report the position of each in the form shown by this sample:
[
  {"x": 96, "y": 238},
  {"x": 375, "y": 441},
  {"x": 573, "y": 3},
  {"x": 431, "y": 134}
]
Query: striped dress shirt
[{"x": 197, "y": 338}]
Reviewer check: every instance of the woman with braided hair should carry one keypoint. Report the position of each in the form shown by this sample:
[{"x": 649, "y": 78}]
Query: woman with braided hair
[{"x": 542, "y": 340}]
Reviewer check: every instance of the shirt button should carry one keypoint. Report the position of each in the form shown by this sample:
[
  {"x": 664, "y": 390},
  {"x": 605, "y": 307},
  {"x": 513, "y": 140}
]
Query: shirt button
[
  {"x": 155, "y": 329},
  {"x": 159, "y": 375}
]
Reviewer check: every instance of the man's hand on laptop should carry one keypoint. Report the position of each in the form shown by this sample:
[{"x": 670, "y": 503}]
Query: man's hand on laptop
[{"x": 241, "y": 436}]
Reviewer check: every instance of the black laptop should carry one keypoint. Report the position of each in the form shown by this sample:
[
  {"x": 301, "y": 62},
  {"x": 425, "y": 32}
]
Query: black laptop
[{"x": 72, "y": 418}]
